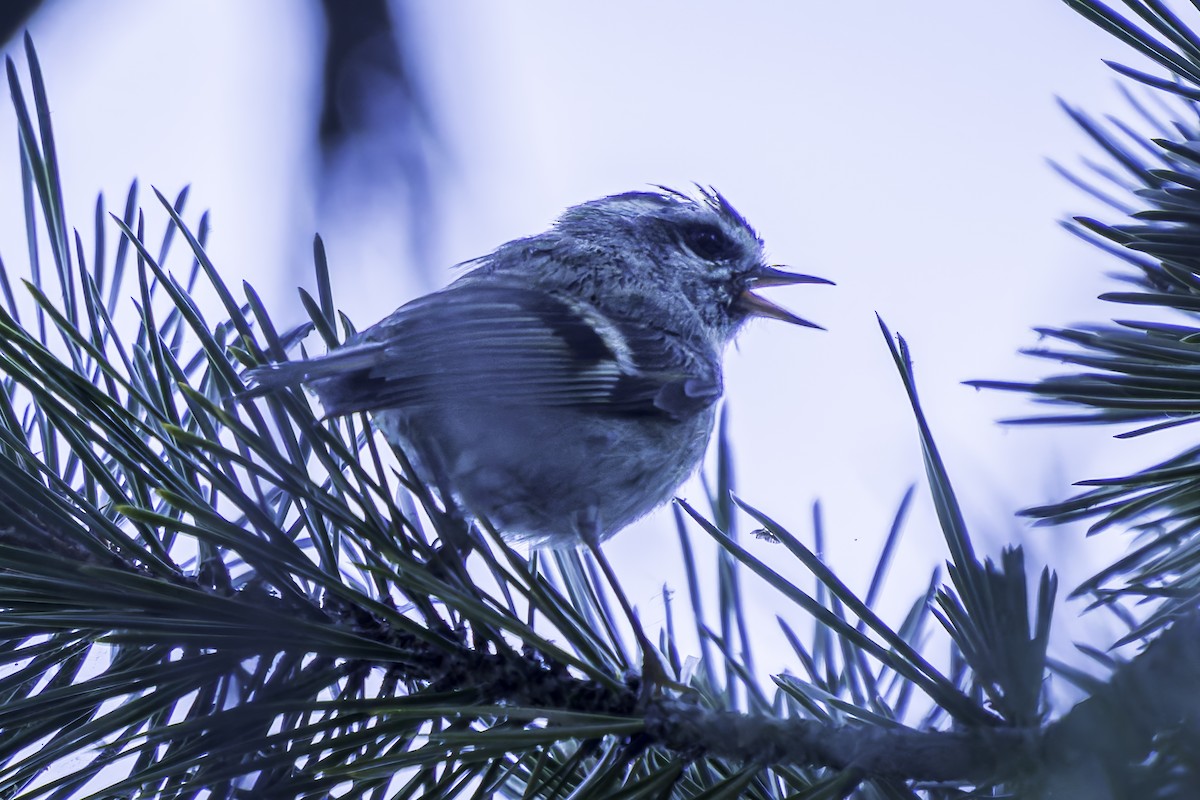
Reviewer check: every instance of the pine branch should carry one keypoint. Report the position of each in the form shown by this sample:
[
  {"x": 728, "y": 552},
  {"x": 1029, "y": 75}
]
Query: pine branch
[
  {"x": 980, "y": 756},
  {"x": 1141, "y": 373}
]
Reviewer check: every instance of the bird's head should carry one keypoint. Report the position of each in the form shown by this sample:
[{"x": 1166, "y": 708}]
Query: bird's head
[{"x": 693, "y": 260}]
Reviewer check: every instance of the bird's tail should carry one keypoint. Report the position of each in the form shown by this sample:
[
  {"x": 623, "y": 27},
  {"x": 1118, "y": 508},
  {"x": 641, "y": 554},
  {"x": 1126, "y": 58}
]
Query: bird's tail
[
  {"x": 341, "y": 363},
  {"x": 273, "y": 377}
]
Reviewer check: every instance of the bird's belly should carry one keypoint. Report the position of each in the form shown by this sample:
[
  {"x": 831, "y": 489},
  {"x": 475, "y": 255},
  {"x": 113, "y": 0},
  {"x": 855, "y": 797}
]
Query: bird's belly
[{"x": 554, "y": 475}]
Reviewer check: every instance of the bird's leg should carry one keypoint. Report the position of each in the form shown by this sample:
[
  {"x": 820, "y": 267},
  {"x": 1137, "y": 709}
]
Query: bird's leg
[
  {"x": 654, "y": 673},
  {"x": 451, "y": 524}
]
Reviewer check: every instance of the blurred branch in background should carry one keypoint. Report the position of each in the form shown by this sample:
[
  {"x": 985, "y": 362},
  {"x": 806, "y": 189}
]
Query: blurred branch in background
[
  {"x": 374, "y": 129},
  {"x": 376, "y": 126},
  {"x": 13, "y": 17}
]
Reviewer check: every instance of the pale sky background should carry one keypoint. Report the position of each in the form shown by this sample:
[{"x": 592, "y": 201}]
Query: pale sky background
[{"x": 897, "y": 148}]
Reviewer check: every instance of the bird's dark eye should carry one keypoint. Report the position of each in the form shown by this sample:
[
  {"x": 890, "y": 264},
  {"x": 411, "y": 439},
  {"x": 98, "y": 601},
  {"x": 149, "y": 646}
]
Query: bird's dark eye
[{"x": 708, "y": 242}]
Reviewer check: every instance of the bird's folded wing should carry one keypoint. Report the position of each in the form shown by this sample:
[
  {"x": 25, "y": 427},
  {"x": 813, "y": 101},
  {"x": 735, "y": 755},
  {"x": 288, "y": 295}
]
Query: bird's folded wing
[{"x": 481, "y": 343}]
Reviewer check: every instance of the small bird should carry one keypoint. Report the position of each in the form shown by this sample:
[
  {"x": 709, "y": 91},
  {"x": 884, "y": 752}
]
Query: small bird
[{"x": 567, "y": 384}]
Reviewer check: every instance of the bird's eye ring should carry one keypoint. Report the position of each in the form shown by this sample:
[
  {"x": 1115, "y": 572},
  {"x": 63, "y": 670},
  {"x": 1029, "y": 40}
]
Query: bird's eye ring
[{"x": 708, "y": 241}]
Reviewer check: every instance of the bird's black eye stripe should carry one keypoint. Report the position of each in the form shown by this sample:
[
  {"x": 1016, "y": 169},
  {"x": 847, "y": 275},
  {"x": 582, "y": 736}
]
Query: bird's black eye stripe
[{"x": 708, "y": 241}]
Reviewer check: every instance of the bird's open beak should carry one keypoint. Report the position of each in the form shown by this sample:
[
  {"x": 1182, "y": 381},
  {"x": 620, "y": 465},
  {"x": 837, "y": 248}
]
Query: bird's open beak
[{"x": 757, "y": 306}]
